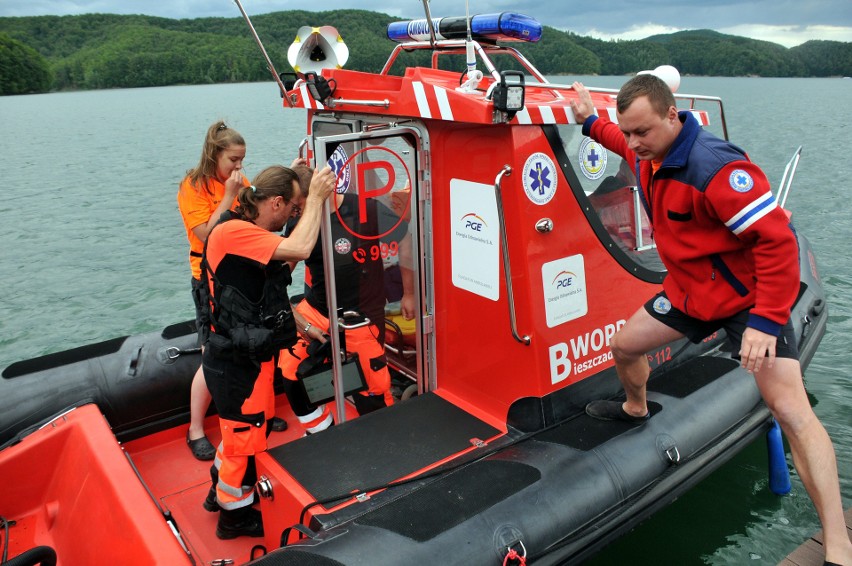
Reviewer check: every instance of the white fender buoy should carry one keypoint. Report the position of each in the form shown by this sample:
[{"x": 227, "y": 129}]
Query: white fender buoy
[{"x": 668, "y": 74}]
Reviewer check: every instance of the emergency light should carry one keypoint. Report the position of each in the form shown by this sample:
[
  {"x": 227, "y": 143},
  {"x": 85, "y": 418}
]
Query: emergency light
[
  {"x": 489, "y": 28},
  {"x": 508, "y": 94}
]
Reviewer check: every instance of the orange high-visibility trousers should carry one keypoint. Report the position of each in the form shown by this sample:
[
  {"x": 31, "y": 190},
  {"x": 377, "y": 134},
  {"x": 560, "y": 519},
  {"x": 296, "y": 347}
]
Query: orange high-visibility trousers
[
  {"x": 371, "y": 358},
  {"x": 245, "y": 399}
]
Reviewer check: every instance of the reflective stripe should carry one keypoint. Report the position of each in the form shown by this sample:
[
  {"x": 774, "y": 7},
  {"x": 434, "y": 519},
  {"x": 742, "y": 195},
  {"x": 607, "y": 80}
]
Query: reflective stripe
[
  {"x": 443, "y": 104},
  {"x": 569, "y": 115},
  {"x": 547, "y": 115},
  {"x": 753, "y": 212},
  {"x": 317, "y": 420},
  {"x": 324, "y": 424},
  {"x": 239, "y": 492},
  {"x": 420, "y": 97},
  {"x": 315, "y": 414},
  {"x": 523, "y": 116}
]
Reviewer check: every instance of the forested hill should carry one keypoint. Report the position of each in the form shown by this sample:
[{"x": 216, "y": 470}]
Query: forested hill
[{"x": 45, "y": 53}]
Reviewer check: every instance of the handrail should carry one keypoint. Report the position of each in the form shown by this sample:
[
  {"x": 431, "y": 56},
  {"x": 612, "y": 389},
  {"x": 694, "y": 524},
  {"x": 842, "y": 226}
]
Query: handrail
[
  {"x": 457, "y": 46},
  {"x": 637, "y": 222},
  {"x": 507, "y": 268},
  {"x": 784, "y": 187}
]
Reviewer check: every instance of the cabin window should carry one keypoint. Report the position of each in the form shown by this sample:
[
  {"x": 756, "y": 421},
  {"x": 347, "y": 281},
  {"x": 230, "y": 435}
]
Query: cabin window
[{"x": 605, "y": 186}]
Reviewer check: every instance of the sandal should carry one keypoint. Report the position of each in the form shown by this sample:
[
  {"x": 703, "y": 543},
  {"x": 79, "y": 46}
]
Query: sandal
[
  {"x": 201, "y": 448},
  {"x": 614, "y": 411},
  {"x": 278, "y": 424}
]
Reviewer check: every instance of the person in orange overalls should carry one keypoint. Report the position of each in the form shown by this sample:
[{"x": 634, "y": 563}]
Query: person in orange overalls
[
  {"x": 359, "y": 282},
  {"x": 248, "y": 320}
]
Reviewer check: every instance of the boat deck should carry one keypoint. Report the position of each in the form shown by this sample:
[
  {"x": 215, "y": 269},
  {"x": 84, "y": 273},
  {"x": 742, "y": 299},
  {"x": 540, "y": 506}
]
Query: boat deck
[
  {"x": 179, "y": 483},
  {"x": 811, "y": 552}
]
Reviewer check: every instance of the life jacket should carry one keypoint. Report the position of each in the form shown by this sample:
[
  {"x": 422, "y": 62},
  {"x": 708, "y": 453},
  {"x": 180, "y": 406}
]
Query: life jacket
[{"x": 234, "y": 326}]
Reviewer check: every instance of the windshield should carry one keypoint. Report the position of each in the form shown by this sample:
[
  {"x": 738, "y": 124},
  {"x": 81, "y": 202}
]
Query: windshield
[{"x": 605, "y": 185}]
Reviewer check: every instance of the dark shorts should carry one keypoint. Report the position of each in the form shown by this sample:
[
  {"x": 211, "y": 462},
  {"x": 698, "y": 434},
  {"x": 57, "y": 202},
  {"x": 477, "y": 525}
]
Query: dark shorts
[
  {"x": 196, "y": 299},
  {"x": 697, "y": 330}
]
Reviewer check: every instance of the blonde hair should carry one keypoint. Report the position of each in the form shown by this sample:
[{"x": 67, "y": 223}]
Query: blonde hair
[{"x": 219, "y": 138}]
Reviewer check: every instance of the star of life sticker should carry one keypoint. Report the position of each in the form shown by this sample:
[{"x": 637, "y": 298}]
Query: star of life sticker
[
  {"x": 342, "y": 169},
  {"x": 741, "y": 181},
  {"x": 539, "y": 178},
  {"x": 592, "y": 159}
]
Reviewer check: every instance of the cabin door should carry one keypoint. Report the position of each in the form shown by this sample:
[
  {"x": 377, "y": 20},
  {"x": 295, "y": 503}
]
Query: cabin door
[{"x": 374, "y": 249}]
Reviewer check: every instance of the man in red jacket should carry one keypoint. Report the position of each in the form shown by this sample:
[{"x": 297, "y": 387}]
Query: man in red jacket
[{"x": 732, "y": 261}]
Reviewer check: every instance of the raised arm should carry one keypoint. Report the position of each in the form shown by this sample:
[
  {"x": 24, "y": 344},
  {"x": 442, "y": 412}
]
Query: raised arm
[{"x": 299, "y": 244}]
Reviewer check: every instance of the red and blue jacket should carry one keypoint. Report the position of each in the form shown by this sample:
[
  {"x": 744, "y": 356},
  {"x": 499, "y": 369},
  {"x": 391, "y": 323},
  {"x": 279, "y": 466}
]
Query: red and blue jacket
[{"x": 726, "y": 243}]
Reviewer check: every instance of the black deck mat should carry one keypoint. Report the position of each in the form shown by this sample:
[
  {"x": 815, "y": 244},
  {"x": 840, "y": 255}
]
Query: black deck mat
[
  {"x": 585, "y": 433},
  {"x": 380, "y": 447},
  {"x": 691, "y": 376},
  {"x": 295, "y": 557},
  {"x": 440, "y": 506}
]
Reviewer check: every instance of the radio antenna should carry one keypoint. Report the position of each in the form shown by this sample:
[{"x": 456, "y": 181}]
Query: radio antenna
[
  {"x": 269, "y": 64},
  {"x": 473, "y": 76}
]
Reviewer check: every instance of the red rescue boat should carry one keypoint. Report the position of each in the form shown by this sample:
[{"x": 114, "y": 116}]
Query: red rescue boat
[{"x": 531, "y": 249}]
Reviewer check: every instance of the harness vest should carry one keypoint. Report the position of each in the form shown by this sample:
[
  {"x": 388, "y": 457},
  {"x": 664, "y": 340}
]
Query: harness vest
[{"x": 234, "y": 326}]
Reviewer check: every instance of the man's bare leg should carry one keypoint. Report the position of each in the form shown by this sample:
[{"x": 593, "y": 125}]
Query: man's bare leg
[{"x": 813, "y": 454}]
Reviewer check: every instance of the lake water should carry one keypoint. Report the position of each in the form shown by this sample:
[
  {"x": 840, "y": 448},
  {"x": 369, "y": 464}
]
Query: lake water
[{"x": 93, "y": 247}]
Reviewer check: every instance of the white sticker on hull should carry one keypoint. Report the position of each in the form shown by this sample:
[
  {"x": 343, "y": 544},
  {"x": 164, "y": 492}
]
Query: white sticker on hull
[
  {"x": 475, "y": 238},
  {"x": 564, "y": 285},
  {"x": 539, "y": 178},
  {"x": 592, "y": 159}
]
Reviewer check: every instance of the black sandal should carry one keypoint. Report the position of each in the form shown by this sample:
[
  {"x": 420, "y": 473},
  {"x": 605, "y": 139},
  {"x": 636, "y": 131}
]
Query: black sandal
[
  {"x": 201, "y": 448},
  {"x": 614, "y": 411}
]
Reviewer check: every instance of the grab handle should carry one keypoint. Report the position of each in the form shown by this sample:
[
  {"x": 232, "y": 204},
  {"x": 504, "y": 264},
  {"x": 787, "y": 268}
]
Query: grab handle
[
  {"x": 786, "y": 183},
  {"x": 507, "y": 268}
]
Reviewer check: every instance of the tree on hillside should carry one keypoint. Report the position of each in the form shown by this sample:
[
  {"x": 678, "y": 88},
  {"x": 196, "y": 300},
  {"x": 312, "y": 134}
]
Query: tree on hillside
[
  {"x": 114, "y": 51},
  {"x": 825, "y": 58},
  {"x": 22, "y": 69}
]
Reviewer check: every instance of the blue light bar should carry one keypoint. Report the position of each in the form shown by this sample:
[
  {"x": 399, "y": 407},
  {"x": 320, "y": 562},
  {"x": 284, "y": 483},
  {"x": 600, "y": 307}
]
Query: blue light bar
[{"x": 504, "y": 26}]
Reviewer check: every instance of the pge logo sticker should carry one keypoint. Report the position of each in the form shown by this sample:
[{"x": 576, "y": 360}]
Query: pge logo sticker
[
  {"x": 473, "y": 222},
  {"x": 342, "y": 169},
  {"x": 539, "y": 178},
  {"x": 563, "y": 279},
  {"x": 741, "y": 181},
  {"x": 592, "y": 159}
]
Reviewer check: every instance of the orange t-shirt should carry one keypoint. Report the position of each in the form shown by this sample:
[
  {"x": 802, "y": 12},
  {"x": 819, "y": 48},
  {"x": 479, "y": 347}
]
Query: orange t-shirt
[
  {"x": 196, "y": 206},
  {"x": 237, "y": 240}
]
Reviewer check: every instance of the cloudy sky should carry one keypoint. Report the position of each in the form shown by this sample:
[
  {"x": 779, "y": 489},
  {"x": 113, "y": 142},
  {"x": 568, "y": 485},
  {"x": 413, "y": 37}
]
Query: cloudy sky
[{"x": 788, "y": 22}]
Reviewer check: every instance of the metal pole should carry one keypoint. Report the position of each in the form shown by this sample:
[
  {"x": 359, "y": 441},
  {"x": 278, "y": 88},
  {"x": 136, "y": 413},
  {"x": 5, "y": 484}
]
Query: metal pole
[{"x": 269, "y": 64}]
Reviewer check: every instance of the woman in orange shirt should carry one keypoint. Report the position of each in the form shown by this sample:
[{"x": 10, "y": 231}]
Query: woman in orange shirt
[{"x": 209, "y": 190}]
